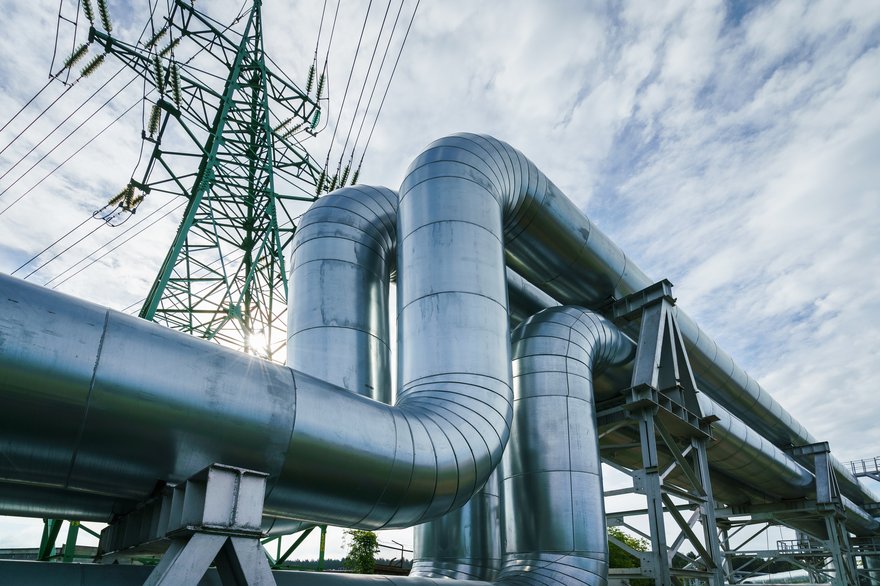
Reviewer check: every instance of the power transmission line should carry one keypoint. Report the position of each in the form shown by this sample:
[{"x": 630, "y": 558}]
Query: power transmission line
[
  {"x": 364, "y": 85},
  {"x": 393, "y": 70},
  {"x": 22, "y": 109},
  {"x": 98, "y": 227},
  {"x": 36, "y": 256},
  {"x": 109, "y": 242},
  {"x": 65, "y": 161},
  {"x": 115, "y": 248},
  {"x": 32, "y": 122},
  {"x": 63, "y": 140},
  {"x": 348, "y": 83},
  {"x": 357, "y": 139}
]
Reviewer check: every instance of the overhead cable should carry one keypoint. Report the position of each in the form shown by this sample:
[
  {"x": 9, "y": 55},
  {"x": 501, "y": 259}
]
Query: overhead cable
[
  {"x": 348, "y": 83},
  {"x": 60, "y": 124},
  {"x": 71, "y": 156},
  {"x": 393, "y": 70},
  {"x": 364, "y": 86}
]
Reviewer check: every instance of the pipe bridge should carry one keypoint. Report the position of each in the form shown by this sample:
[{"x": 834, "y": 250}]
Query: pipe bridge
[{"x": 489, "y": 441}]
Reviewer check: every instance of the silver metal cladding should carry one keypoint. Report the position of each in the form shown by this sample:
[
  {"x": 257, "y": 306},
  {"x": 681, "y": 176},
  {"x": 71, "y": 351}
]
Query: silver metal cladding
[
  {"x": 465, "y": 543},
  {"x": 553, "y": 245},
  {"x": 368, "y": 465},
  {"x": 746, "y": 456},
  {"x": 132, "y": 404},
  {"x": 454, "y": 340},
  {"x": 343, "y": 257},
  {"x": 524, "y": 299},
  {"x": 554, "y": 513}
]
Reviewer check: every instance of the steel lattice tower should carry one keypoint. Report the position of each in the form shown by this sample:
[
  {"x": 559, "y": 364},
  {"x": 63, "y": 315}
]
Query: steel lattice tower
[{"x": 224, "y": 277}]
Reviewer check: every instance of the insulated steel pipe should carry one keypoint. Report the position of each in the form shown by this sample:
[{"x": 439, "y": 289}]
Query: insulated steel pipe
[
  {"x": 552, "y": 244},
  {"x": 343, "y": 256},
  {"x": 554, "y": 513},
  {"x": 742, "y": 454},
  {"x": 467, "y": 202},
  {"x": 465, "y": 543},
  {"x": 553, "y": 509},
  {"x": 525, "y": 299},
  {"x": 370, "y": 465},
  {"x": 410, "y": 463},
  {"x": 132, "y": 404}
]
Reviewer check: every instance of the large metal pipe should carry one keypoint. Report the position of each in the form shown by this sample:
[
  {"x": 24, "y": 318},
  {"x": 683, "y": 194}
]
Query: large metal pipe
[
  {"x": 554, "y": 513},
  {"x": 551, "y": 243},
  {"x": 525, "y": 299},
  {"x": 464, "y": 544},
  {"x": 139, "y": 404},
  {"x": 343, "y": 256},
  {"x": 467, "y": 202},
  {"x": 553, "y": 510},
  {"x": 742, "y": 454}
]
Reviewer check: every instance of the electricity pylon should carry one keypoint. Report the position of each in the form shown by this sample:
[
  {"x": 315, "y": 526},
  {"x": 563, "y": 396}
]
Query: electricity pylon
[{"x": 236, "y": 154}]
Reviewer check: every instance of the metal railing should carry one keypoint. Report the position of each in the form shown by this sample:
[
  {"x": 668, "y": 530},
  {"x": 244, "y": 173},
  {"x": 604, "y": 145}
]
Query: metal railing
[{"x": 864, "y": 467}]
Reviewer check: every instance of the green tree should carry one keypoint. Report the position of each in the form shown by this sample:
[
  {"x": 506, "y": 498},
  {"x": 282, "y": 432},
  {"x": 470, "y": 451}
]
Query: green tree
[
  {"x": 620, "y": 558},
  {"x": 362, "y": 549}
]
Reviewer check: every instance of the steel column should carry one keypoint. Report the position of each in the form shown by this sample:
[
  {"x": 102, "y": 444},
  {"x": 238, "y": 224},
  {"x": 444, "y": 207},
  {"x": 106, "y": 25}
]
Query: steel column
[
  {"x": 663, "y": 400},
  {"x": 51, "y": 528}
]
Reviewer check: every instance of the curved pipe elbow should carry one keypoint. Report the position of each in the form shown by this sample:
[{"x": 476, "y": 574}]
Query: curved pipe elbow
[
  {"x": 552, "y": 467},
  {"x": 343, "y": 257},
  {"x": 431, "y": 452}
]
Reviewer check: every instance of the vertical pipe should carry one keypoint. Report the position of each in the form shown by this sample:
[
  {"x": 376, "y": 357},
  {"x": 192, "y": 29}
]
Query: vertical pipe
[
  {"x": 452, "y": 313},
  {"x": 343, "y": 256},
  {"x": 465, "y": 543},
  {"x": 554, "y": 513}
]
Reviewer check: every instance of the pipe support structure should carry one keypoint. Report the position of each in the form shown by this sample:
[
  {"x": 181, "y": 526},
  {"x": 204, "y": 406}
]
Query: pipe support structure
[{"x": 552, "y": 244}]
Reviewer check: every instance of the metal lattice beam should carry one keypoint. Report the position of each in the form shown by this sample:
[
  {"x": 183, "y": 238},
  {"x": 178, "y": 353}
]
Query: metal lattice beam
[{"x": 224, "y": 276}]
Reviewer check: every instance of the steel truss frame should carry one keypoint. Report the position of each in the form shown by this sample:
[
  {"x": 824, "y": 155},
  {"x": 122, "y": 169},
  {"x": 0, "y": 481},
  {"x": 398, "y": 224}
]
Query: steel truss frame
[
  {"x": 51, "y": 531},
  {"x": 278, "y": 561},
  {"x": 224, "y": 276},
  {"x": 661, "y": 408},
  {"x": 834, "y": 559},
  {"x": 661, "y": 403}
]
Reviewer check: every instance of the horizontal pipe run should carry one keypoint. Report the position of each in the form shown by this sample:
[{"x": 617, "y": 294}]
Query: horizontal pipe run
[
  {"x": 121, "y": 425},
  {"x": 552, "y": 244}
]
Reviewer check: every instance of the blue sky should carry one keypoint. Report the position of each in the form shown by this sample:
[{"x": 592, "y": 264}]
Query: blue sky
[{"x": 731, "y": 147}]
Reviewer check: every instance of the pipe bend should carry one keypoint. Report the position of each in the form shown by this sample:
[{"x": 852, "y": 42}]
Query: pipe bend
[
  {"x": 551, "y": 467},
  {"x": 343, "y": 257},
  {"x": 438, "y": 445},
  {"x": 553, "y": 245}
]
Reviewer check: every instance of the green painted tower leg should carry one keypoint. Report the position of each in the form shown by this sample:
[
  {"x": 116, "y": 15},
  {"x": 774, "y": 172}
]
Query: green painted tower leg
[
  {"x": 321, "y": 548},
  {"x": 51, "y": 528},
  {"x": 70, "y": 545},
  {"x": 224, "y": 276}
]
